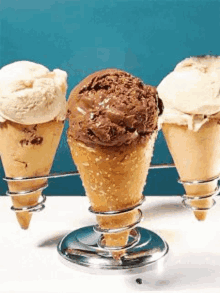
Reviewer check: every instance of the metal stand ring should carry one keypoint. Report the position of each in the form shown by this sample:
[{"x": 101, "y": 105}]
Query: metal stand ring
[
  {"x": 192, "y": 197},
  {"x": 119, "y": 211},
  {"x": 98, "y": 229},
  {"x": 204, "y": 181},
  {"x": 22, "y": 193},
  {"x": 36, "y": 208}
]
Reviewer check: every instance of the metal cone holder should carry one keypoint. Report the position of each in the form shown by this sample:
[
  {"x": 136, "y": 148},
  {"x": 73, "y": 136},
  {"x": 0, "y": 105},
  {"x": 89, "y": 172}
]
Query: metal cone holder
[{"x": 86, "y": 247}]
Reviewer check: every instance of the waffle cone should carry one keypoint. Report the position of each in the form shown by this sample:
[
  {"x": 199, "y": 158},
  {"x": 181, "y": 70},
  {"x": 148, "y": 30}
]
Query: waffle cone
[
  {"x": 114, "y": 179},
  {"x": 197, "y": 157},
  {"x": 27, "y": 151}
]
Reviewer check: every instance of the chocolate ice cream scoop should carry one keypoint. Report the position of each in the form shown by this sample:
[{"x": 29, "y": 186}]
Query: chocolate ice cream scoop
[{"x": 111, "y": 108}]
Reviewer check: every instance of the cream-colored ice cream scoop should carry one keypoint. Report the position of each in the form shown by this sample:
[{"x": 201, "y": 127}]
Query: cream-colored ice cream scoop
[
  {"x": 30, "y": 93},
  {"x": 191, "y": 92}
]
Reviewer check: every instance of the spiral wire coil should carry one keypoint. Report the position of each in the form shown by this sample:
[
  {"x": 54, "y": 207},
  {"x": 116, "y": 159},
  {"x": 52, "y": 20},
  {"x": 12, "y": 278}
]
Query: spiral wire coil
[
  {"x": 40, "y": 205},
  {"x": 188, "y": 199},
  {"x": 133, "y": 233}
]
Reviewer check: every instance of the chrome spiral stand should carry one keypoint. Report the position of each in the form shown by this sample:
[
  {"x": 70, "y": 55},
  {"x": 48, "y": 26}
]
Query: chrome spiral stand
[{"x": 86, "y": 247}]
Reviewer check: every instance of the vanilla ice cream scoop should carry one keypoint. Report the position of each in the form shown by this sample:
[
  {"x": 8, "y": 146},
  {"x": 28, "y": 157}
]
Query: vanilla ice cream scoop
[
  {"x": 30, "y": 93},
  {"x": 191, "y": 93}
]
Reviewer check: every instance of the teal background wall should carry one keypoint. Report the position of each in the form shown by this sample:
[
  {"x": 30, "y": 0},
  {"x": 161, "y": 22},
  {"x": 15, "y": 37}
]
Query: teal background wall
[{"x": 144, "y": 37}]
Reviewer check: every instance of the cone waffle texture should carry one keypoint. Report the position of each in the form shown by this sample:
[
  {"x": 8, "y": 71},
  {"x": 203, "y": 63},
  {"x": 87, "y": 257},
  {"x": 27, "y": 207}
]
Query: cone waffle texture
[
  {"x": 114, "y": 178},
  {"x": 27, "y": 151},
  {"x": 197, "y": 157}
]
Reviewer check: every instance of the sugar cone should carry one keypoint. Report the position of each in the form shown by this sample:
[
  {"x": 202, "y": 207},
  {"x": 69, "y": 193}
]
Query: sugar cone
[
  {"x": 27, "y": 151},
  {"x": 114, "y": 178},
  {"x": 197, "y": 157}
]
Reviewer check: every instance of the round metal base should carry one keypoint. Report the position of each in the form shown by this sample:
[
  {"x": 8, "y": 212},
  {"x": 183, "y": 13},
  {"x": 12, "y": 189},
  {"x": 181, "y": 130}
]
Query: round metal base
[{"x": 81, "y": 247}]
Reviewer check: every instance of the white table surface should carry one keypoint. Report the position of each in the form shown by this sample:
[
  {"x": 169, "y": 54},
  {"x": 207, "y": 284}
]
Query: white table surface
[{"x": 29, "y": 260}]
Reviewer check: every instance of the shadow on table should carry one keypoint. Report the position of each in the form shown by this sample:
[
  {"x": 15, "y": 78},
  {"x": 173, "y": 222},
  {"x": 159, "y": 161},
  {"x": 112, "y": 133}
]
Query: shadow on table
[
  {"x": 162, "y": 210},
  {"x": 190, "y": 272},
  {"x": 53, "y": 240}
]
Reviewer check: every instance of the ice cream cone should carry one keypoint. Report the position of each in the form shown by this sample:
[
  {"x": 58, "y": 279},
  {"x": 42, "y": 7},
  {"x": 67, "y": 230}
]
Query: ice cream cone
[
  {"x": 27, "y": 151},
  {"x": 196, "y": 155},
  {"x": 114, "y": 180},
  {"x": 113, "y": 122}
]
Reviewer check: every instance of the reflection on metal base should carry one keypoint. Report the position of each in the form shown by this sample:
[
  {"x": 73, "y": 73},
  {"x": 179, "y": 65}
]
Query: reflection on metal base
[{"x": 81, "y": 247}]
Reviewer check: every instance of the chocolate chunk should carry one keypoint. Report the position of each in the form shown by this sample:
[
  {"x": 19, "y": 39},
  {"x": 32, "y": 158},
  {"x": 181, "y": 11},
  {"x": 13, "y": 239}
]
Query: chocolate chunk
[
  {"x": 37, "y": 140},
  {"x": 24, "y": 142}
]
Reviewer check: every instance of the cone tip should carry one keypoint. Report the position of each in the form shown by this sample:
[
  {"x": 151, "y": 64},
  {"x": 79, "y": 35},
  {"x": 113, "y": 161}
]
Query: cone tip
[
  {"x": 200, "y": 216},
  {"x": 24, "y": 219}
]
